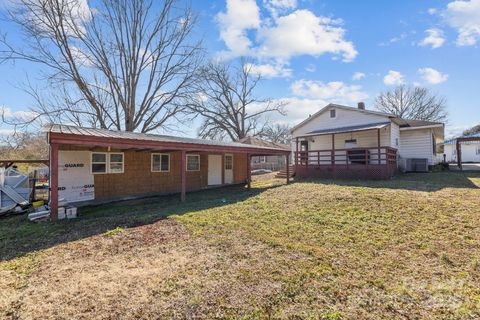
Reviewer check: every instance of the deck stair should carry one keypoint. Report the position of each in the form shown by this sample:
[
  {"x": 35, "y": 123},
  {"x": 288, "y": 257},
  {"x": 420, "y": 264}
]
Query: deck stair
[{"x": 282, "y": 174}]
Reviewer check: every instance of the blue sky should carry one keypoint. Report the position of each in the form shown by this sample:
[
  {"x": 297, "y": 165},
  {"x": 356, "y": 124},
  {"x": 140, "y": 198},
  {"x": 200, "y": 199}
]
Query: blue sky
[{"x": 316, "y": 52}]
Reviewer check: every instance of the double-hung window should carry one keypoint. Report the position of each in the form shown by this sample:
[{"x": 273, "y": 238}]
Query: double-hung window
[
  {"x": 160, "y": 162},
  {"x": 105, "y": 162},
  {"x": 193, "y": 162}
]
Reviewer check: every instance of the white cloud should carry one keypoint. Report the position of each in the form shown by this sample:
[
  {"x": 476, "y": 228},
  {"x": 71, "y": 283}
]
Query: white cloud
[
  {"x": 302, "y": 32},
  {"x": 432, "y": 11},
  {"x": 282, "y": 35},
  {"x": 240, "y": 16},
  {"x": 270, "y": 70},
  {"x": 434, "y": 38},
  {"x": 432, "y": 76},
  {"x": 277, "y": 6},
  {"x": 358, "y": 76},
  {"x": 393, "y": 78},
  {"x": 464, "y": 16},
  {"x": 21, "y": 115},
  {"x": 334, "y": 91}
]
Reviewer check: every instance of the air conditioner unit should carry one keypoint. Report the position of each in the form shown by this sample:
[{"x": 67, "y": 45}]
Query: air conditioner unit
[{"x": 416, "y": 165}]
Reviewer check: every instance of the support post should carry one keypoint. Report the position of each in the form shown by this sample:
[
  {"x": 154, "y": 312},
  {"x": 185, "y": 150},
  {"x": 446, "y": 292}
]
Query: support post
[
  {"x": 249, "y": 171},
  {"x": 287, "y": 158},
  {"x": 53, "y": 182},
  {"x": 378, "y": 145},
  {"x": 333, "y": 149},
  {"x": 296, "y": 155},
  {"x": 183, "y": 168},
  {"x": 459, "y": 155}
]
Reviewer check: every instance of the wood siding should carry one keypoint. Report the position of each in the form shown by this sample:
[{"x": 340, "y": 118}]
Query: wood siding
[{"x": 138, "y": 179}]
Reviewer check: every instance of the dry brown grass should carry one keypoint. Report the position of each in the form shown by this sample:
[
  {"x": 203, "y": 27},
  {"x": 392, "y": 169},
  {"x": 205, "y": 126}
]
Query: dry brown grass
[{"x": 402, "y": 249}]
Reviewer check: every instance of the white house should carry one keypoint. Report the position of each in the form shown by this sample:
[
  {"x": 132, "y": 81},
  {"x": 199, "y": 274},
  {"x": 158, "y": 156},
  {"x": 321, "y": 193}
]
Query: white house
[
  {"x": 354, "y": 142},
  {"x": 470, "y": 149}
]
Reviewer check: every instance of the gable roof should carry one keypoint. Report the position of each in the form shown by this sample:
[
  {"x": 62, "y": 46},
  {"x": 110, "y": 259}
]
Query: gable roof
[
  {"x": 338, "y": 106},
  {"x": 403, "y": 123},
  {"x": 264, "y": 143},
  {"x": 95, "y": 133}
]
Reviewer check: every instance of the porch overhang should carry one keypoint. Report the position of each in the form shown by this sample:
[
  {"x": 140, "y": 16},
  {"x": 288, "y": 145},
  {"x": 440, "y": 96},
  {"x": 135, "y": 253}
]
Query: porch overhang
[{"x": 365, "y": 127}]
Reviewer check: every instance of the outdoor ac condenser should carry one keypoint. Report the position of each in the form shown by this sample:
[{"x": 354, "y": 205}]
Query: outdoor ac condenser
[{"x": 416, "y": 165}]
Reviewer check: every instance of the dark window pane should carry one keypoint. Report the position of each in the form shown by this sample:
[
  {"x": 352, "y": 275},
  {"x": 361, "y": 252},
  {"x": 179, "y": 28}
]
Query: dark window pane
[
  {"x": 116, "y": 158},
  {"x": 99, "y": 167},
  {"x": 193, "y": 163},
  {"x": 165, "y": 162},
  {"x": 156, "y": 162},
  {"x": 116, "y": 167},
  {"x": 332, "y": 113},
  {"x": 99, "y": 157}
]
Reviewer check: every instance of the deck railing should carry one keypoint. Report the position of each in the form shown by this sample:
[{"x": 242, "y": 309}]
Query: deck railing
[{"x": 350, "y": 156}]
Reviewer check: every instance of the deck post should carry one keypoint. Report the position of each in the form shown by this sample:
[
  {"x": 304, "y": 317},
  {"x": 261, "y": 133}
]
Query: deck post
[
  {"x": 287, "y": 161},
  {"x": 183, "y": 168},
  {"x": 249, "y": 171},
  {"x": 333, "y": 148},
  {"x": 53, "y": 181},
  {"x": 296, "y": 155},
  {"x": 459, "y": 155},
  {"x": 378, "y": 145}
]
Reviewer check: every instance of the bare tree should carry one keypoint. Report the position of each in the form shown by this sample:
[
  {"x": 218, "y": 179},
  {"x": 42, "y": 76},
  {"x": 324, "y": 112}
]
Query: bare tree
[
  {"x": 278, "y": 133},
  {"x": 412, "y": 103},
  {"x": 23, "y": 145},
  {"x": 122, "y": 64},
  {"x": 472, "y": 130},
  {"x": 227, "y": 102}
]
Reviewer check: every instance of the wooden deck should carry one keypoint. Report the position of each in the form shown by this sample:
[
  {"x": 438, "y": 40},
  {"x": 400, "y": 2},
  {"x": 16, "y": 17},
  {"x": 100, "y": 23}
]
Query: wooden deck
[{"x": 353, "y": 163}]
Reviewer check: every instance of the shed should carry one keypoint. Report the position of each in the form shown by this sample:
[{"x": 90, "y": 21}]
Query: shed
[{"x": 93, "y": 165}]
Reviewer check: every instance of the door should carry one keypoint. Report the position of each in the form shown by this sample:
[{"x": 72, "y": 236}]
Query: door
[
  {"x": 214, "y": 169},
  {"x": 228, "y": 168},
  {"x": 303, "y": 152}
]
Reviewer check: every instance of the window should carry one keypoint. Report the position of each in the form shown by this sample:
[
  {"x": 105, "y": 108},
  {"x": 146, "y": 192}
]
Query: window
[
  {"x": 99, "y": 163},
  {"x": 263, "y": 159},
  {"x": 193, "y": 162},
  {"x": 228, "y": 162},
  {"x": 478, "y": 150},
  {"x": 333, "y": 113},
  {"x": 160, "y": 162},
  {"x": 396, "y": 142},
  {"x": 103, "y": 162},
  {"x": 116, "y": 163}
]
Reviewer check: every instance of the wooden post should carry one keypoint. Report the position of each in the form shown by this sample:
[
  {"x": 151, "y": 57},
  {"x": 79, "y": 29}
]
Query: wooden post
[
  {"x": 333, "y": 149},
  {"x": 459, "y": 155},
  {"x": 53, "y": 182},
  {"x": 249, "y": 171},
  {"x": 287, "y": 161},
  {"x": 378, "y": 151},
  {"x": 296, "y": 155},
  {"x": 183, "y": 168}
]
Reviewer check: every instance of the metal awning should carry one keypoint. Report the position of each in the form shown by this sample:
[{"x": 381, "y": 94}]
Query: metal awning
[{"x": 363, "y": 127}]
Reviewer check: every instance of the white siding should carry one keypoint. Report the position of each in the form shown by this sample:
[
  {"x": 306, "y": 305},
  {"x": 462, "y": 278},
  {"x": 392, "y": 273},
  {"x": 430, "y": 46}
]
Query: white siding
[
  {"x": 344, "y": 118},
  {"x": 365, "y": 139},
  {"x": 469, "y": 152},
  {"x": 395, "y": 136},
  {"x": 417, "y": 144}
]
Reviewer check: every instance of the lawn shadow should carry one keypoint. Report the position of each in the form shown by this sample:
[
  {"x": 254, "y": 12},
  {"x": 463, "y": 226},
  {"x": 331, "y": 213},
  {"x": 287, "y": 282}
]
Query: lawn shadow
[
  {"x": 430, "y": 182},
  {"x": 18, "y": 236}
]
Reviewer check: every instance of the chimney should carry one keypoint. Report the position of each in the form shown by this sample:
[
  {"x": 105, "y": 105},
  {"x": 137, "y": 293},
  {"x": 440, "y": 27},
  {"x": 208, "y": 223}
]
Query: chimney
[{"x": 361, "y": 105}]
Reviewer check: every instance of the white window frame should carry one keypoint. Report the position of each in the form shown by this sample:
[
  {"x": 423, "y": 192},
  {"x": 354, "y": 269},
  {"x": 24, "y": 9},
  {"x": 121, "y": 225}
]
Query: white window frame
[
  {"x": 228, "y": 155},
  {"x": 109, "y": 162},
  {"x": 335, "y": 112},
  {"x": 186, "y": 161},
  {"x": 159, "y": 154},
  {"x": 92, "y": 163}
]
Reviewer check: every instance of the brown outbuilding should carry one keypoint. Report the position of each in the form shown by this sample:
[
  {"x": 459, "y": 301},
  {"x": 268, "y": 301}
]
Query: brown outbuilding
[{"x": 96, "y": 165}]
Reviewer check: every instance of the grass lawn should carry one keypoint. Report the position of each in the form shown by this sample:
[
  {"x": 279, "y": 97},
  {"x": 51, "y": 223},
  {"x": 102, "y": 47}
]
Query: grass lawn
[{"x": 407, "y": 248}]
